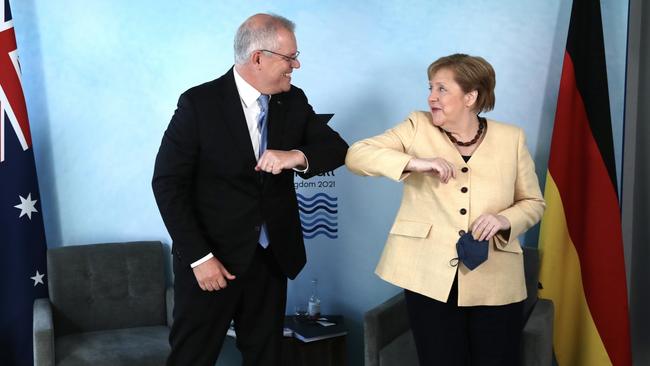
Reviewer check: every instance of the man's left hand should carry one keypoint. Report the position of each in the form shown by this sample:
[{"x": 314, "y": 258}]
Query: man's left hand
[{"x": 274, "y": 161}]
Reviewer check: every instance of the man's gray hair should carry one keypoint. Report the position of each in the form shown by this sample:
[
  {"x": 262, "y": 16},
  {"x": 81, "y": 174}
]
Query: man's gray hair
[{"x": 252, "y": 36}]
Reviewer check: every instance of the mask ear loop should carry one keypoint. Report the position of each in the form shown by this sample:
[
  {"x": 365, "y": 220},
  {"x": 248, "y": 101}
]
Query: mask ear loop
[{"x": 454, "y": 262}]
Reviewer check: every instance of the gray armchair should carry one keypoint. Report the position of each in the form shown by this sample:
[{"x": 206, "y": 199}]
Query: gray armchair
[
  {"x": 108, "y": 305},
  {"x": 389, "y": 340}
]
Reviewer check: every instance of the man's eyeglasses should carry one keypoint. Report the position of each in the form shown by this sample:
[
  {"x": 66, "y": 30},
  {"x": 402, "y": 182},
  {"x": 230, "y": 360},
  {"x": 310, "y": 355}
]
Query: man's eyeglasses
[{"x": 285, "y": 57}]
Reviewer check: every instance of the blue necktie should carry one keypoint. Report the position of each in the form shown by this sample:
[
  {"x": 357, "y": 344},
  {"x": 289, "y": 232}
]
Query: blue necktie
[{"x": 263, "y": 101}]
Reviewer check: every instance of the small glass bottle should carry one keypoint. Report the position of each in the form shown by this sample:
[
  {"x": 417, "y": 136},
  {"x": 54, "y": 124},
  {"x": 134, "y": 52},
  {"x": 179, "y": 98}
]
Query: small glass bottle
[{"x": 313, "y": 307}]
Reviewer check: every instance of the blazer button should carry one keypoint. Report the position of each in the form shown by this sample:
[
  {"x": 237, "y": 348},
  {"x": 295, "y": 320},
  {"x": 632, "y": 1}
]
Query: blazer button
[
  {"x": 463, "y": 211},
  {"x": 464, "y": 170},
  {"x": 461, "y": 232},
  {"x": 464, "y": 189}
]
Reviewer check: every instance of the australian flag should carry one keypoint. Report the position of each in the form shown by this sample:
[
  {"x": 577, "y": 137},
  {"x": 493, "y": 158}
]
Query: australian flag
[{"x": 22, "y": 237}]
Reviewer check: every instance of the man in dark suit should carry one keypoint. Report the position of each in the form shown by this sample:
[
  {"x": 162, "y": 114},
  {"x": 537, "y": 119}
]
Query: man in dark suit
[{"x": 223, "y": 182}]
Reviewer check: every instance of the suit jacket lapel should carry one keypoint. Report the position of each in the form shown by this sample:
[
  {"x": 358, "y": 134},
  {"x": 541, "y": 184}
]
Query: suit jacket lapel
[
  {"x": 276, "y": 125},
  {"x": 235, "y": 119},
  {"x": 276, "y": 122}
]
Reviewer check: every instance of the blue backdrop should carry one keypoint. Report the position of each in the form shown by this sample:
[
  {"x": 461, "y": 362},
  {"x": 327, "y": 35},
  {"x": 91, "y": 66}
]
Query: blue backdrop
[{"x": 102, "y": 79}]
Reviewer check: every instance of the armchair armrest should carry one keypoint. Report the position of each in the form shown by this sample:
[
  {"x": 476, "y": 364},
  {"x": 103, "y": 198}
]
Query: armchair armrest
[
  {"x": 537, "y": 336},
  {"x": 169, "y": 299},
  {"x": 43, "y": 333},
  {"x": 383, "y": 324}
]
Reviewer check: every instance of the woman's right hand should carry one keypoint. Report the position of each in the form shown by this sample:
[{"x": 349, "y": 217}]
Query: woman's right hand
[{"x": 437, "y": 166}]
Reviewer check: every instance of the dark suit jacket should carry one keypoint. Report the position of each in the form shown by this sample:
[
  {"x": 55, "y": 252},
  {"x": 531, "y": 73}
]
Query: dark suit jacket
[{"x": 209, "y": 195}]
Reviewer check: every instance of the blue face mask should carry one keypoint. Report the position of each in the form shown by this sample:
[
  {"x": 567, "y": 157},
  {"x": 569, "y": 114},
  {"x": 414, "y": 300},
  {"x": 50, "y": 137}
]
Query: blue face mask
[{"x": 471, "y": 252}]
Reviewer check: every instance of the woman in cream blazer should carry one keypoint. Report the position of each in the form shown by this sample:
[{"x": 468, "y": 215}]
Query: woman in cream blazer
[{"x": 461, "y": 173}]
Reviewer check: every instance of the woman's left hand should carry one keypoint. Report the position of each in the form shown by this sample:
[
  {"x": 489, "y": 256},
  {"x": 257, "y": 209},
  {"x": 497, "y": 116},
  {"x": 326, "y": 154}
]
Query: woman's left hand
[{"x": 487, "y": 225}]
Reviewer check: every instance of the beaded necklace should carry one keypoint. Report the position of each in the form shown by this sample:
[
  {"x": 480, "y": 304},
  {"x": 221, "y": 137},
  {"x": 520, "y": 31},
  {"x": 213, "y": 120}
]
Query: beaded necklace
[{"x": 482, "y": 126}]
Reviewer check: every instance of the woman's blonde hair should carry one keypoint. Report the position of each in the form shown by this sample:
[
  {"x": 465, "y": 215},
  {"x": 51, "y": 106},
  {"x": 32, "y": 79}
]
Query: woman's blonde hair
[{"x": 471, "y": 73}]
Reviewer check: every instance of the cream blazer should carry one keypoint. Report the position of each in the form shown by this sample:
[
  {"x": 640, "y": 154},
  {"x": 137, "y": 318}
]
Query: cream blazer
[{"x": 500, "y": 179}]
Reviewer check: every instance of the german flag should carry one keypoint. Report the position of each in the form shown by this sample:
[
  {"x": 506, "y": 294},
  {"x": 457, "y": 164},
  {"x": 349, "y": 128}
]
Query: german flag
[{"x": 583, "y": 269}]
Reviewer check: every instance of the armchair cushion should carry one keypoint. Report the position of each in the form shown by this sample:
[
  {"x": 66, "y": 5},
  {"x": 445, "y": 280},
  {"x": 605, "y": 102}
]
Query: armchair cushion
[{"x": 142, "y": 346}]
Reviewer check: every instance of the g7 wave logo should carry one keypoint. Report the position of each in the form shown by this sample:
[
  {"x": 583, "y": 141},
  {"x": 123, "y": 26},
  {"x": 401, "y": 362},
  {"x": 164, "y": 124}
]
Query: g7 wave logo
[{"x": 318, "y": 214}]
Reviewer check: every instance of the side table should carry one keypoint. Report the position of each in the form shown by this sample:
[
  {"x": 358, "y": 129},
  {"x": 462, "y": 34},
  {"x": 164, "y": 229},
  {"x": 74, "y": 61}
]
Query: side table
[{"x": 330, "y": 351}]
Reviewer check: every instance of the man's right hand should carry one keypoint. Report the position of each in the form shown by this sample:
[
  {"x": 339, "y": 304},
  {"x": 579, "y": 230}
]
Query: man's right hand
[{"x": 212, "y": 275}]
